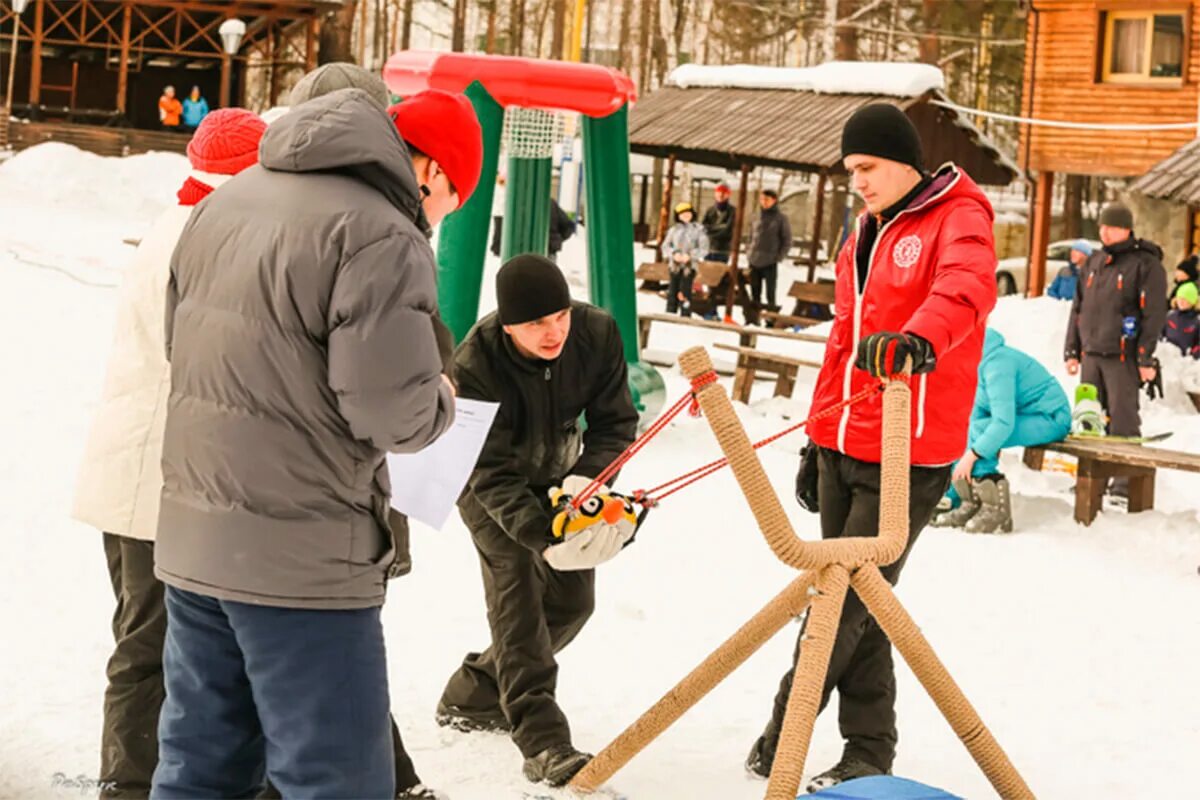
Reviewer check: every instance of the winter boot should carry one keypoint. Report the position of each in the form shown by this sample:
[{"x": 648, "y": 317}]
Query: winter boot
[
  {"x": 959, "y": 516},
  {"x": 995, "y": 511},
  {"x": 470, "y": 721},
  {"x": 420, "y": 792},
  {"x": 759, "y": 762},
  {"x": 555, "y": 765},
  {"x": 847, "y": 769}
]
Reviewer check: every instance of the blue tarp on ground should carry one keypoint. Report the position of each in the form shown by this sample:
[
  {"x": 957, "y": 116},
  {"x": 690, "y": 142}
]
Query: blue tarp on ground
[{"x": 881, "y": 787}]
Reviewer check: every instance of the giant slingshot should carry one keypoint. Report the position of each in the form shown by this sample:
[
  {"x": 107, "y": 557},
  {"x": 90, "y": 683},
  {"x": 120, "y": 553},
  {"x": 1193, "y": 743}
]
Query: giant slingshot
[{"x": 828, "y": 569}]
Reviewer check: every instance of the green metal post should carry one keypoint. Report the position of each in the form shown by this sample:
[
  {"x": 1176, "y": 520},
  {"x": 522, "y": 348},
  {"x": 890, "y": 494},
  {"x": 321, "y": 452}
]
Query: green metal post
[
  {"x": 463, "y": 237},
  {"x": 526, "y": 208},
  {"x": 610, "y": 221},
  {"x": 610, "y": 246}
]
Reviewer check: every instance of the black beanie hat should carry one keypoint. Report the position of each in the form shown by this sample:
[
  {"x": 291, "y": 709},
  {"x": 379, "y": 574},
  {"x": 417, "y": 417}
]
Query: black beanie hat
[
  {"x": 1189, "y": 266},
  {"x": 529, "y": 287},
  {"x": 1117, "y": 215},
  {"x": 885, "y": 131}
]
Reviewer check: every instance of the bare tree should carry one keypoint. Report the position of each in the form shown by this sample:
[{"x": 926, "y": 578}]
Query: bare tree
[{"x": 337, "y": 33}]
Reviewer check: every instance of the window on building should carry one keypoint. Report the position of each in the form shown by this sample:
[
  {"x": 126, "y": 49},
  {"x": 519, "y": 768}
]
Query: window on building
[{"x": 1144, "y": 46}]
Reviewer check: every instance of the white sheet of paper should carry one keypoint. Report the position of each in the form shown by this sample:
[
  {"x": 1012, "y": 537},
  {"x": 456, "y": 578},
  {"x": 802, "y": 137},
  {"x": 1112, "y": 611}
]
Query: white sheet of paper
[{"x": 426, "y": 485}]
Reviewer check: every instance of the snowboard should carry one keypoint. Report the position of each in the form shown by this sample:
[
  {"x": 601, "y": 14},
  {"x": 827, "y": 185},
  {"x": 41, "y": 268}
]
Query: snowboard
[{"x": 1103, "y": 437}]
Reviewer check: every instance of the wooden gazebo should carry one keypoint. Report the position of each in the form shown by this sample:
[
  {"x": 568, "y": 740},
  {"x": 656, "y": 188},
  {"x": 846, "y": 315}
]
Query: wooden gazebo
[
  {"x": 105, "y": 62},
  {"x": 740, "y": 127}
]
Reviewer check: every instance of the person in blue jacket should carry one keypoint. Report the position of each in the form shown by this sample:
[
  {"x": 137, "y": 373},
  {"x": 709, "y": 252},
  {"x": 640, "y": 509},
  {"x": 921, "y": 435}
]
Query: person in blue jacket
[
  {"x": 1018, "y": 403},
  {"x": 195, "y": 109},
  {"x": 1063, "y": 285}
]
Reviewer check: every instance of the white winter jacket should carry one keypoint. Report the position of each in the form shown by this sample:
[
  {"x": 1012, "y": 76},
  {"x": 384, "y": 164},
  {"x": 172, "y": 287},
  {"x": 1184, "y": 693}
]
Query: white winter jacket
[{"x": 120, "y": 478}]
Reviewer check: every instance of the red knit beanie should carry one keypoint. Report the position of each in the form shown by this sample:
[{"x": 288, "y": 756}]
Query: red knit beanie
[
  {"x": 226, "y": 141},
  {"x": 444, "y": 127}
]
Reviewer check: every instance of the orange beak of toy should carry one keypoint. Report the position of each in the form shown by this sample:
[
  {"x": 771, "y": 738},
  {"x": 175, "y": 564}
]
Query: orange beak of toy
[{"x": 613, "y": 511}]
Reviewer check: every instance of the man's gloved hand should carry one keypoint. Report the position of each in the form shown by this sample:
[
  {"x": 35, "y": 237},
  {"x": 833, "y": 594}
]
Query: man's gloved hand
[
  {"x": 883, "y": 354},
  {"x": 595, "y": 533},
  {"x": 807, "y": 478}
]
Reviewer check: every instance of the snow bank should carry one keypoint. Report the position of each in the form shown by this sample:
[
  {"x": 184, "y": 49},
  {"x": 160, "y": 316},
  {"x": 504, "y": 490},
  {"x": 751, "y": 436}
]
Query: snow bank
[
  {"x": 835, "y": 77},
  {"x": 68, "y": 210}
]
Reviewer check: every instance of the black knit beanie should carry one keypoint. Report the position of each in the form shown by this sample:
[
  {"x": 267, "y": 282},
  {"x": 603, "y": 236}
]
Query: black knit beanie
[
  {"x": 1189, "y": 266},
  {"x": 529, "y": 287},
  {"x": 1117, "y": 215},
  {"x": 885, "y": 131}
]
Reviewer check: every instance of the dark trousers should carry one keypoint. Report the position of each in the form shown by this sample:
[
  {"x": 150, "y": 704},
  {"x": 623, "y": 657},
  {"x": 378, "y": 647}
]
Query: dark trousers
[
  {"x": 497, "y": 233},
  {"x": 760, "y": 276},
  {"x": 129, "y": 739},
  {"x": 296, "y": 695},
  {"x": 681, "y": 283},
  {"x": 534, "y": 612},
  {"x": 1119, "y": 388},
  {"x": 861, "y": 664}
]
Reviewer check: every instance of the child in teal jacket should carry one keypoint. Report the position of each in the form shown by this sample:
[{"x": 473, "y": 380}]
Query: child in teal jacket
[{"x": 1018, "y": 403}]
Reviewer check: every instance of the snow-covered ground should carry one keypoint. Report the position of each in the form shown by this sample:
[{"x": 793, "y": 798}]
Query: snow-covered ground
[{"x": 1079, "y": 646}]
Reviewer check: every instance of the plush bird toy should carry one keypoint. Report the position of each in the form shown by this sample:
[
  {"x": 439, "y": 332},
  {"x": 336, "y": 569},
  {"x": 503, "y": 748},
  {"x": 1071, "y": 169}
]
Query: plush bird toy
[
  {"x": 584, "y": 537},
  {"x": 604, "y": 506},
  {"x": 1087, "y": 418}
]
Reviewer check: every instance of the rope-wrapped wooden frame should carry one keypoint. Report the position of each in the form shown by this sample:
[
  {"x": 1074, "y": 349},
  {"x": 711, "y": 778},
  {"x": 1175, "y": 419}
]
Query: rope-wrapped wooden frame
[{"x": 829, "y": 567}]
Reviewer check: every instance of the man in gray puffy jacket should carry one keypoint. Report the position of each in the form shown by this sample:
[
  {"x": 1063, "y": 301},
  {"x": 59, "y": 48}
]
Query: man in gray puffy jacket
[
  {"x": 771, "y": 240},
  {"x": 300, "y": 330}
]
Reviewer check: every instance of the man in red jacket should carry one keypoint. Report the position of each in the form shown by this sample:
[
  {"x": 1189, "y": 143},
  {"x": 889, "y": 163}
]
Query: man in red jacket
[{"x": 916, "y": 280}]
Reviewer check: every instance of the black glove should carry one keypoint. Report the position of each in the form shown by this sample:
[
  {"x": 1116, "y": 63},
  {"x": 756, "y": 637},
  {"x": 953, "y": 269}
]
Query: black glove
[
  {"x": 1154, "y": 387},
  {"x": 883, "y": 354},
  {"x": 807, "y": 478}
]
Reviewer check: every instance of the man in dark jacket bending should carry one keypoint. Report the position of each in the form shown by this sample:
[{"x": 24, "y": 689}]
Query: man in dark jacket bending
[
  {"x": 302, "y": 338},
  {"x": 548, "y": 362}
]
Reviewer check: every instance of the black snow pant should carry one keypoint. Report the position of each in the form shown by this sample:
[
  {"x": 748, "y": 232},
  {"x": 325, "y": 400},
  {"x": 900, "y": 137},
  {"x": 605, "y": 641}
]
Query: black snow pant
[
  {"x": 129, "y": 738},
  {"x": 681, "y": 283},
  {"x": 497, "y": 234},
  {"x": 860, "y": 666},
  {"x": 534, "y": 611},
  {"x": 764, "y": 276},
  {"x": 1119, "y": 387}
]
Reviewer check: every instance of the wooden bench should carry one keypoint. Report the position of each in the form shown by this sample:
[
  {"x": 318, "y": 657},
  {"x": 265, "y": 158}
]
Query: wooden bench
[
  {"x": 747, "y": 334},
  {"x": 751, "y": 361},
  {"x": 805, "y": 294},
  {"x": 1100, "y": 460}
]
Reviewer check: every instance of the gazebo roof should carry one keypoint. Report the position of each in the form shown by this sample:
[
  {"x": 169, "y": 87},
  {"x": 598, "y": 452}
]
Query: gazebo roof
[
  {"x": 761, "y": 117},
  {"x": 1175, "y": 178}
]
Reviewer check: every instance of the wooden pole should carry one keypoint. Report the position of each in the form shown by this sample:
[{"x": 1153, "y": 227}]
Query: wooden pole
[
  {"x": 739, "y": 220},
  {"x": 12, "y": 69},
  {"x": 664, "y": 210},
  {"x": 35, "y": 64},
  {"x": 226, "y": 67},
  {"x": 123, "y": 68},
  {"x": 814, "y": 252},
  {"x": 362, "y": 31},
  {"x": 310, "y": 45},
  {"x": 1039, "y": 234}
]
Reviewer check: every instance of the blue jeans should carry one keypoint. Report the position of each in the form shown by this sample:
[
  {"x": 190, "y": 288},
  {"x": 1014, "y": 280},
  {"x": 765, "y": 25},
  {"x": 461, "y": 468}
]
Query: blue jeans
[
  {"x": 1030, "y": 430},
  {"x": 296, "y": 695}
]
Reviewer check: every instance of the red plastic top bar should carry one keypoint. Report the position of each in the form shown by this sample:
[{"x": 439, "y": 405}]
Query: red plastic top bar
[{"x": 527, "y": 82}]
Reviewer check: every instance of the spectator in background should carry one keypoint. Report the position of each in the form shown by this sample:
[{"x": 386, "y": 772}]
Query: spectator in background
[
  {"x": 1018, "y": 404},
  {"x": 195, "y": 109},
  {"x": 1186, "y": 272},
  {"x": 1116, "y": 321},
  {"x": 684, "y": 246},
  {"x": 718, "y": 225},
  {"x": 562, "y": 227},
  {"x": 1063, "y": 286},
  {"x": 169, "y": 109},
  {"x": 772, "y": 239},
  {"x": 1183, "y": 323}
]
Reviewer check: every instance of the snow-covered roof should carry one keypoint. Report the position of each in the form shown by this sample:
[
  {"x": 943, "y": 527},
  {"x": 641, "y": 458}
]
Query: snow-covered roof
[{"x": 835, "y": 77}]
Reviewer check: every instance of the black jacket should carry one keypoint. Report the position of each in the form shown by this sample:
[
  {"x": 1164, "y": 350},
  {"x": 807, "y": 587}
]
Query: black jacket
[
  {"x": 718, "y": 226},
  {"x": 772, "y": 238},
  {"x": 561, "y": 228},
  {"x": 1122, "y": 281},
  {"x": 538, "y": 438}
]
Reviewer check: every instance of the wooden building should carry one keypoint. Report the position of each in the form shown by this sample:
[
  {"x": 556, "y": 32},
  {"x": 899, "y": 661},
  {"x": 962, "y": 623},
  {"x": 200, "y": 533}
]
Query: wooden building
[
  {"x": 1107, "y": 62},
  {"x": 105, "y": 62}
]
